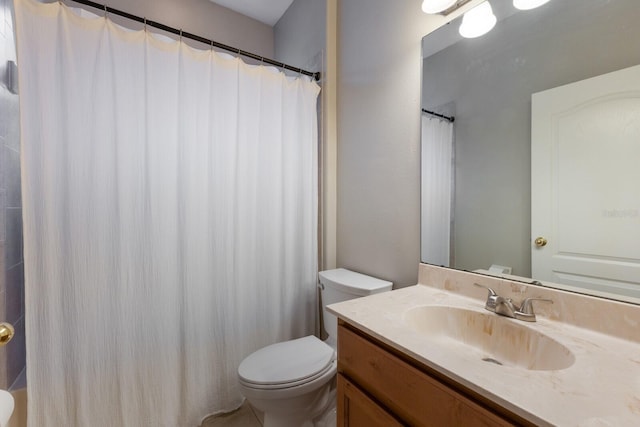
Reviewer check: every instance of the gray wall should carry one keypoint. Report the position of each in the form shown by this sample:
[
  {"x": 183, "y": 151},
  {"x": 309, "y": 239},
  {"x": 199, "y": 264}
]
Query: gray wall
[
  {"x": 300, "y": 35},
  {"x": 12, "y": 356},
  {"x": 490, "y": 80},
  {"x": 378, "y": 171}
]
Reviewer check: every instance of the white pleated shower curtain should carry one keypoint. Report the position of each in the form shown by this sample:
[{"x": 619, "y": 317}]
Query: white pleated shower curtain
[
  {"x": 170, "y": 220},
  {"x": 437, "y": 190}
]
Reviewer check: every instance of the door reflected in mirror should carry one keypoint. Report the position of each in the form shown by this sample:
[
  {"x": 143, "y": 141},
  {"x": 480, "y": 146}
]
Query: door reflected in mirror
[{"x": 590, "y": 188}]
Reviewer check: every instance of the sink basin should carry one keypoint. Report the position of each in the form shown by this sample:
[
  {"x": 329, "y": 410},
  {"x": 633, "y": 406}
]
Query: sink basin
[{"x": 489, "y": 337}]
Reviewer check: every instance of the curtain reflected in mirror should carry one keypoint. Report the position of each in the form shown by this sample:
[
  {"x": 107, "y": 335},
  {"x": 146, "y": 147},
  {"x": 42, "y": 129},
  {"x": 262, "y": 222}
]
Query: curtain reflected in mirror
[{"x": 437, "y": 188}]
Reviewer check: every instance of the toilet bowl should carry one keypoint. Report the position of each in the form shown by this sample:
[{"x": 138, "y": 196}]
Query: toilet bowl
[
  {"x": 292, "y": 382},
  {"x": 289, "y": 382}
]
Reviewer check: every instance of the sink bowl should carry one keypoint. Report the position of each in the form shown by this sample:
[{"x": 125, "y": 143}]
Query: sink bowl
[{"x": 489, "y": 337}]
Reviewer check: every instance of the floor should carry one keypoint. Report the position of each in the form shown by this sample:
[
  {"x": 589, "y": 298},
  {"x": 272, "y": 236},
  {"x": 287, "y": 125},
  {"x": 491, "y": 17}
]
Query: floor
[{"x": 243, "y": 417}]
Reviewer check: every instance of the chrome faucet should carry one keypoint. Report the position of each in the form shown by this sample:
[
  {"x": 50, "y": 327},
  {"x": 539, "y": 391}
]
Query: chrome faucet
[{"x": 506, "y": 307}]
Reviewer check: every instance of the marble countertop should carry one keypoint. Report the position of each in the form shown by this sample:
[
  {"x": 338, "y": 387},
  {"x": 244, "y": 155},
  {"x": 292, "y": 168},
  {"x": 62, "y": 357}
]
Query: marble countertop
[{"x": 601, "y": 388}]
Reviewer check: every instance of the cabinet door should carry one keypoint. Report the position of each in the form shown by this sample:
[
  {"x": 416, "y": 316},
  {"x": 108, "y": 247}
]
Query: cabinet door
[
  {"x": 411, "y": 395},
  {"x": 355, "y": 409}
]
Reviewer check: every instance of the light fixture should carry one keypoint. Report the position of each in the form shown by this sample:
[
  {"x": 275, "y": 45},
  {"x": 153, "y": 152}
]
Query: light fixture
[
  {"x": 528, "y": 4},
  {"x": 436, "y": 6},
  {"x": 478, "y": 21}
]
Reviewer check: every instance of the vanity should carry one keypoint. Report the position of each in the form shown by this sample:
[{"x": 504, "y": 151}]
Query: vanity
[
  {"x": 431, "y": 354},
  {"x": 409, "y": 392}
]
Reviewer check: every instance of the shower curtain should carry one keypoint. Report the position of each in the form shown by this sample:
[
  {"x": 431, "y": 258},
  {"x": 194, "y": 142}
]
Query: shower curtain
[
  {"x": 170, "y": 203},
  {"x": 437, "y": 190}
]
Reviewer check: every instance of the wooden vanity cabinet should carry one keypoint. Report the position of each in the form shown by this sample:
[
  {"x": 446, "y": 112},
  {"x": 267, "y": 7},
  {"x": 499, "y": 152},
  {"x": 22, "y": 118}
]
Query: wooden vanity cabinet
[{"x": 379, "y": 386}]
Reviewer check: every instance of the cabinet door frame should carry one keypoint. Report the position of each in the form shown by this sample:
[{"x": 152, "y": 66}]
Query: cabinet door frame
[{"x": 356, "y": 409}]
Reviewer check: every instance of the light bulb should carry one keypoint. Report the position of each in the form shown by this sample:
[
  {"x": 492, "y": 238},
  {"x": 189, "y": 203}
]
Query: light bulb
[
  {"x": 436, "y": 6},
  {"x": 478, "y": 21},
  {"x": 528, "y": 4}
]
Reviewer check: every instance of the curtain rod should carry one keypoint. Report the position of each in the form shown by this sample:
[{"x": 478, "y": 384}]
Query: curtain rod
[
  {"x": 442, "y": 116},
  {"x": 107, "y": 9}
]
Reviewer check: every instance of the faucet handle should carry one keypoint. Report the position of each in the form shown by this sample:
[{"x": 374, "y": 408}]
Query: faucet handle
[
  {"x": 527, "y": 306},
  {"x": 492, "y": 298},
  {"x": 491, "y": 291},
  {"x": 526, "y": 309}
]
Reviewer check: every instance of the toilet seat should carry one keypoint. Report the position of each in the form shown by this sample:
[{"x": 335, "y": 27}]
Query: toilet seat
[{"x": 287, "y": 364}]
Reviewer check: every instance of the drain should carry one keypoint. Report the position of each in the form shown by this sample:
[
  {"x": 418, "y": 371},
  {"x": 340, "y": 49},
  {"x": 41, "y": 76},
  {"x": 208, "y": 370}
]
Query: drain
[{"x": 491, "y": 360}]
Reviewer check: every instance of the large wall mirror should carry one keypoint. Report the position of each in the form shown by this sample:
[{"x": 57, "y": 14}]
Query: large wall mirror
[{"x": 557, "y": 87}]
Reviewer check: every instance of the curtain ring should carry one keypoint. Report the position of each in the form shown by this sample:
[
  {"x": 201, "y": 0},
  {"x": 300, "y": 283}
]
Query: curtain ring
[
  {"x": 106, "y": 12},
  {"x": 180, "y": 35},
  {"x": 145, "y": 24}
]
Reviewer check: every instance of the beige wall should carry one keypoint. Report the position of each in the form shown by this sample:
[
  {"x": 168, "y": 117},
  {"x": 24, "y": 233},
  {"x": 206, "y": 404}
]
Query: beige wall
[
  {"x": 203, "y": 18},
  {"x": 378, "y": 172}
]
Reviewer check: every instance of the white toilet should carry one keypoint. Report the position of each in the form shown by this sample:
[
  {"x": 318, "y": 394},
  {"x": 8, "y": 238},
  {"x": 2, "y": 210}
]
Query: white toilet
[{"x": 291, "y": 382}]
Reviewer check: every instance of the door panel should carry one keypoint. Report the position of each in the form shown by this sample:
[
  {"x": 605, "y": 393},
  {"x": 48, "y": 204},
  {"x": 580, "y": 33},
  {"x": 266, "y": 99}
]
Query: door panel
[{"x": 586, "y": 183}]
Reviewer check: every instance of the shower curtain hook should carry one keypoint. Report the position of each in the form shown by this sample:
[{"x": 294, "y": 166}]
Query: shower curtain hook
[
  {"x": 180, "y": 35},
  {"x": 145, "y": 24},
  {"x": 106, "y": 12}
]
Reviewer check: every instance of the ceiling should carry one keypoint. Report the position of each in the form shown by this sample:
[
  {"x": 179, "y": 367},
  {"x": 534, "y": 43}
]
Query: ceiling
[{"x": 267, "y": 11}]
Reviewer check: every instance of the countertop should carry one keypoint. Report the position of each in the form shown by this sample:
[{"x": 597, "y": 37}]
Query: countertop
[{"x": 601, "y": 388}]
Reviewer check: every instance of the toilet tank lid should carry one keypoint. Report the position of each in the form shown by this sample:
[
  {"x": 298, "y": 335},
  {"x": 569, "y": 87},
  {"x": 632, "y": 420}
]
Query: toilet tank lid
[{"x": 352, "y": 282}]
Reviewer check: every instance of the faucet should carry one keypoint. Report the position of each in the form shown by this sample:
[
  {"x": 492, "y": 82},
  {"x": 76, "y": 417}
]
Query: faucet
[{"x": 506, "y": 306}]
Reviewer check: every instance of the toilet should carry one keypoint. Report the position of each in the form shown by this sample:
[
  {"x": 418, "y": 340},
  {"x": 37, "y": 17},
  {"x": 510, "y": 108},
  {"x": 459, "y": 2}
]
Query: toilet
[{"x": 291, "y": 382}]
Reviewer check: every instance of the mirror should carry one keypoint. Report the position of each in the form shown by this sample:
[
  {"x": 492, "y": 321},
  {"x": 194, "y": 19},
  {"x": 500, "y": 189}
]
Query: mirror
[{"x": 483, "y": 201}]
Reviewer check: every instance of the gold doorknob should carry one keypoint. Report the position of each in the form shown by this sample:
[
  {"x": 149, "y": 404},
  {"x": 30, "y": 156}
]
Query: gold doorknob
[
  {"x": 6, "y": 333},
  {"x": 540, "y": 242}
]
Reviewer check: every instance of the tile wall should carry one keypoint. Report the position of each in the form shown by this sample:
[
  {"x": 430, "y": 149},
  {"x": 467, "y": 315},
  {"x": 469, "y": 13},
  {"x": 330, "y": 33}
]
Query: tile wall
[{"x": 12, "y": 356}]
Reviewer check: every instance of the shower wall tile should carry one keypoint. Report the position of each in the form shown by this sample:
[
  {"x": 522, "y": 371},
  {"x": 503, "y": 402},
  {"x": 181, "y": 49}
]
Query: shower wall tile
[
  {"x": 2, "y": 306},
  {"x": 5, "y": 105},
  {"x": 12, "y": 356},
  {"x": 3, "y": 372},
  {"x": 3, "y": 5},
  {"x": 3, "y": 206},
  {"x": 3, "y": 350},
  {"x": 12, "y": 139},
  {"x": 11, "y": 177},
  {"x": 16, "y": 352},
  {"x": 13, "y": 239},
  {"x": 14, "y": 290},
  {"x": 2, "y": 280}
]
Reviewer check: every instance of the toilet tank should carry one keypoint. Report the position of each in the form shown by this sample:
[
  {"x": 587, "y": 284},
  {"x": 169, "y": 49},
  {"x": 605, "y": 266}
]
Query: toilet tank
[{"x": 342, "y": 285}]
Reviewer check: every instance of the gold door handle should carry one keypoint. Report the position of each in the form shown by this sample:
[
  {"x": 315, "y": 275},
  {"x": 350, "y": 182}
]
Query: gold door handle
[
  {"x": 6, "y": 333},
  {"x": 540, "y": 242}
]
